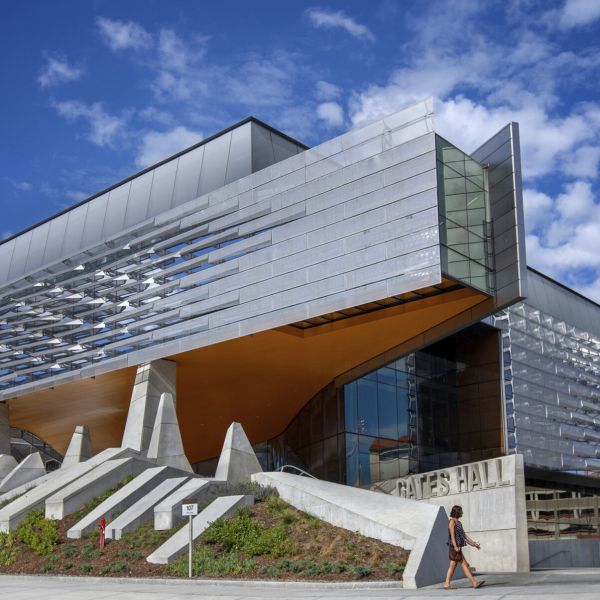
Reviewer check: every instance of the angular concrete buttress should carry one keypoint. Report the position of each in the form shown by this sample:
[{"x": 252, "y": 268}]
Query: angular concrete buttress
[
  {"x": 80, "y": 447},
  {"x": 7, "y": 464},
  {"x": 151, "y": 380},
  {"x": 30, "y": 468},
  {"x": 4, "y": 429},
  {"x": 166, "y": 447},
  {"x": 238, "y": 460}
]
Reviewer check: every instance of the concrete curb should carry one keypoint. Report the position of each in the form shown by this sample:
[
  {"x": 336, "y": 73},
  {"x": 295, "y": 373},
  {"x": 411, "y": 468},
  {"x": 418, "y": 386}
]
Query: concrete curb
[{"x": 305, "y": 585}]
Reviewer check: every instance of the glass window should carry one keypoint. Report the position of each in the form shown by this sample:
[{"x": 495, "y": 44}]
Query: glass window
[{"x": 367, "y": 422}]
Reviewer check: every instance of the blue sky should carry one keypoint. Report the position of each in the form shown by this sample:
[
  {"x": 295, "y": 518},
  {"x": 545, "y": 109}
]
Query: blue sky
[{"x": 93, "y": 91}]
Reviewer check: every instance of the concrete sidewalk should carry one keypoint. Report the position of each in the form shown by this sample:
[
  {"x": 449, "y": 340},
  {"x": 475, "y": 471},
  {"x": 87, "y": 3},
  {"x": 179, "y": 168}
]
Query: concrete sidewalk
[{"x": 582, "y": 584}]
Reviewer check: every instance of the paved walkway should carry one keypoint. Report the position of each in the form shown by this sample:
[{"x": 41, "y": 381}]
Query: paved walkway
[{"x": 579, "y": 584}]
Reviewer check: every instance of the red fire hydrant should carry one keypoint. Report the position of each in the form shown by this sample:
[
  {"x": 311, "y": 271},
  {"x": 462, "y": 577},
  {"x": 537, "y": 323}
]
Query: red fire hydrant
[{"x": 102, "y": 526}]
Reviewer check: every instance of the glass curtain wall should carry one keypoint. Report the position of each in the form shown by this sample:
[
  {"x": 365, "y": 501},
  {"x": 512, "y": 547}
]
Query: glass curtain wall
[
  {"x": 438, "y": 407},
  {"x": 465, "y": 224}
]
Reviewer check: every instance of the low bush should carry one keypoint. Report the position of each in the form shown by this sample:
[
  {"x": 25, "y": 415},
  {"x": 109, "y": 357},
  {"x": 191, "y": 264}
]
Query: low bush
[
  {"x": 248, "y": 487},
  {"x": 205, "y": 563},
  {"x": 242, "y": 533},
  {"x": 38, "y": 533},
  {"x": 8, "y": 551}
]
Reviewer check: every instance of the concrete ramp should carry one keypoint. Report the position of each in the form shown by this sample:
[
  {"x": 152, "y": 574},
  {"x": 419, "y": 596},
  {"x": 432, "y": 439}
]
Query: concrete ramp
[
  {"x": 122, "y": 499},
  {"x": 143, "y": 510},
  {"x": 177, "y": 544},
  {"x": 74, "y": 496},
  {"x": 168, "y": 512},
  {"x": 412, "y": 525},
  {"x": 13, "y": 513},
  {"x": 30, "y": 468}
]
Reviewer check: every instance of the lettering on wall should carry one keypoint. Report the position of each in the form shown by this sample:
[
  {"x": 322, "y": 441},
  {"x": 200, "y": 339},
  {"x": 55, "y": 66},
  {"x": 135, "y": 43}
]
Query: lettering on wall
[{"x": 473, "y": 477}]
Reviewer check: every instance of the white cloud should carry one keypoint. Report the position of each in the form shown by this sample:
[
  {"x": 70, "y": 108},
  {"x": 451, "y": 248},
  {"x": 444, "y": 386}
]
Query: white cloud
[
  {"x": 57, "y": 70},
  {"x": 574, "y": 13},
  {"x": 582, "y": 163},
  {"x": 172, "y": 51},
  {"x": 21, "y": 186},
  {"x": 157, "y": 145},
  {"x": 538, "y": 207},
  {"x": 326, "y": 19},
  {"x": 120, "y": 35},
  {"x": 332, "y": 113},
  {"x": 104, "y": 128},
  {"x": 327, "y": 91},
  {"x": 76, "y": 195}
]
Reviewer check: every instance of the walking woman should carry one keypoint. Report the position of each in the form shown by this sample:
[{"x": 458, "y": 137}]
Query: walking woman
[{"x": 457, "y": 538}]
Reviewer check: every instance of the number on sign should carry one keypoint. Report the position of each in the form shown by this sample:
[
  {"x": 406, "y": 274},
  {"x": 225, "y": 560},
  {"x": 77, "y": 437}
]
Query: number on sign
[{"x": 189, "y": 510}]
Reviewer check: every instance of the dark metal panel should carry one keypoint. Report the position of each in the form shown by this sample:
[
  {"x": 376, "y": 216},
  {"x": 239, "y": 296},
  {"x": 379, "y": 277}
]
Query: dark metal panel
[
  {"x": 163, "y": 185},
  {"x": 188, "y": 176},
  {"x": 56, "y": 235},
  {"x": 37, "y": 247},
  {"x": 94, "y": 222},
  {"x": 262, "y": 148},
  {"x": 6, "y": 252},
  {"x": 19, "y": 258},
  {"x": 115, "y": 213},
  {"x": 139, "y": 197},
  {"x": 214, "y": 164},
  {"x": 240, "y": 154}
]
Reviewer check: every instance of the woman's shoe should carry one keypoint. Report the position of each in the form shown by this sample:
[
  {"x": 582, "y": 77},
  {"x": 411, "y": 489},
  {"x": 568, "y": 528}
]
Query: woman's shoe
[{"x": 479, "y": 584}]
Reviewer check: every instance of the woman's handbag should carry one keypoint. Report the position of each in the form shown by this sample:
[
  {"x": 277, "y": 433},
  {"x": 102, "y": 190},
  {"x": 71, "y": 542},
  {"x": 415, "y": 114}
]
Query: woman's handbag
[{"x": 455, "y": 555}]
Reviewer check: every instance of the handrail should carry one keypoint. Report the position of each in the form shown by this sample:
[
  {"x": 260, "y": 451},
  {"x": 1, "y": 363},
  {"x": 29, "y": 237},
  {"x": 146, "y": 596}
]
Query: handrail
[{"x": 301, "y": 471}]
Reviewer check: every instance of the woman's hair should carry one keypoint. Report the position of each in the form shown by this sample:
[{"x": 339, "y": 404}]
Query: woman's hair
[{"x": 456, "y": 511}]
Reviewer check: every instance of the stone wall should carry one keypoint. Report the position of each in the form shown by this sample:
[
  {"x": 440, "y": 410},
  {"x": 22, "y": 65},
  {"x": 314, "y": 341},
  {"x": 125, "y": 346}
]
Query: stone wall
[{"x": 492, "y": 495}]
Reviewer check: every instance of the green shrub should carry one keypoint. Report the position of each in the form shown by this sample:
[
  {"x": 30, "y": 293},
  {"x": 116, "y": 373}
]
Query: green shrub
[
  {"x": 360, "y": 571},
  {"x": 205, "y": 562},
  {"x": 86, "y": 567},
  {"x": 69, "y": 550},
  {"x": 242, "y": 533},
  {"x": 394, "y": 568},
  {"x": 38, "y": 533},
  {"x": 248, "y": 487},
  {"x": 8, "y": 553},
  {"x": 145, "y": 537},
  {"x": 118, "y": 567}
]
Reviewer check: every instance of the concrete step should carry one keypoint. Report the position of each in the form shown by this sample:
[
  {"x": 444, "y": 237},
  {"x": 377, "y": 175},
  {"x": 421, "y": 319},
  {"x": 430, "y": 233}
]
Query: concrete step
[
  {"x": 168, "y": 512},
  {"x": 143, "y": 510},
  {"x": 12, "y": 514},
  {"x": 177, "y": 544},
  {"x": 122, "y": 499},
  {"x": 73, "y": 496}
]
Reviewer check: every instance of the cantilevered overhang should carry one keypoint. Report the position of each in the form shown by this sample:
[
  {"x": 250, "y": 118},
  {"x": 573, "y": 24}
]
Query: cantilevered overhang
[{"x": 261, "y": 380}]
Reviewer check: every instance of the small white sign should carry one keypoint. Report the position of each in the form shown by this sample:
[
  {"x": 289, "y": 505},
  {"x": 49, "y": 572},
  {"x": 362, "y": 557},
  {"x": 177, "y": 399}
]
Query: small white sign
[{"x": 189, "y": 510}]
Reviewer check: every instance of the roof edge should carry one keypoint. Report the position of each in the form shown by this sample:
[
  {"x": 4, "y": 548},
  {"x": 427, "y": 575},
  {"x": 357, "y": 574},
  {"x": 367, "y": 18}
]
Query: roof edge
[{"x": 250, "y": 119}]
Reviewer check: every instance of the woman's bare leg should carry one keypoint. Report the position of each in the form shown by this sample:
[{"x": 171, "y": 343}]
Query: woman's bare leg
[
  {"x": 467, "y": 571},
  {"x": 450, "y": 573}
]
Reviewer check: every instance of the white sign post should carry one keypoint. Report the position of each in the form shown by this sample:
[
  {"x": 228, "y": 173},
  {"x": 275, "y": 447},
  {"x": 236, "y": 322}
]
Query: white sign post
[{"x": 190, "y": 510}]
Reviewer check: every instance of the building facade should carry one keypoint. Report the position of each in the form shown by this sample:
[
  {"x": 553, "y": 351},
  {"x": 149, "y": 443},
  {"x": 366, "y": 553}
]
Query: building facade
[{"x": 363, "y": 308}]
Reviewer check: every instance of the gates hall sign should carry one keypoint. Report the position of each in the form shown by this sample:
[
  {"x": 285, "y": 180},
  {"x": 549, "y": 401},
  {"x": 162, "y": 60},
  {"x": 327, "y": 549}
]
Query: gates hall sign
[{"x": 487, "y": 474}]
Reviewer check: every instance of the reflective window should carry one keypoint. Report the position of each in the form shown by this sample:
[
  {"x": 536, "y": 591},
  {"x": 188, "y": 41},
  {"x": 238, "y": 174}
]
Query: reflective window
[{"x": 465, "y": 228}]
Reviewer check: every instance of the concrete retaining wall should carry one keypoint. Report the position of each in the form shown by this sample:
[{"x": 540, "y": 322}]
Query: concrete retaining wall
[
  {"x": 416, "y": 526},
  {"x": 559, "y": 554}
]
